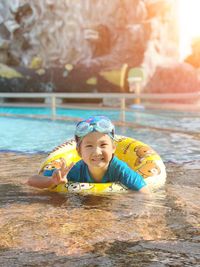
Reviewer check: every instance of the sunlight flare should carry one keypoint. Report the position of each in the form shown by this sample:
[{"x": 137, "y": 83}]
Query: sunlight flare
[{"x": 189, "y": 21}]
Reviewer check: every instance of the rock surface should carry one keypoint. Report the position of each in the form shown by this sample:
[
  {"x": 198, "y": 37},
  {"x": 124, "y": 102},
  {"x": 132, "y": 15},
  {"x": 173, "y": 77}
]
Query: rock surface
[{"x": 42, "y": 38}]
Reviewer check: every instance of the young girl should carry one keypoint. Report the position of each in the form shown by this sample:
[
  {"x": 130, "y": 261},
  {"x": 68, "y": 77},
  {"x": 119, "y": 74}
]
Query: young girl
[{"x": 95, "y": 144}]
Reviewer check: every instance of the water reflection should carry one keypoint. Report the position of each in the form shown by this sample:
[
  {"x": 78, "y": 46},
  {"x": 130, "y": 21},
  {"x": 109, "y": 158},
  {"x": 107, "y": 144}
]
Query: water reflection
[{"x": 50, "y": 229}]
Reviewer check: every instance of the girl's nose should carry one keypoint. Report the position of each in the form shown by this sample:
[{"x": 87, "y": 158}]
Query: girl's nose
[{"x": 97, "y": 150}]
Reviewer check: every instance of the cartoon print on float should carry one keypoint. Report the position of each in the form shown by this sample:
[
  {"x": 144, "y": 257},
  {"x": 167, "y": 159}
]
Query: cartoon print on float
[
  {"x": 79, "y": 187},
  {"x": 142, "y": 152},
  {"x": 54, "y": 164},
  {"x": 149, "y": 169},
  {"x": 142, "y": 158}
]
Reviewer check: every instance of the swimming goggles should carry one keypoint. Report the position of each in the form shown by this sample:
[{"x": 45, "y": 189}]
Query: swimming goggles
[{"x": 98, "y": 123}]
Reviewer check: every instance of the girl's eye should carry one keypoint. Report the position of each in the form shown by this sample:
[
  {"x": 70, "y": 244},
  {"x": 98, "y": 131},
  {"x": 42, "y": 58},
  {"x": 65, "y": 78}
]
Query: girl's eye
[
  {"x": 104, "y": 145},
  {"x": 88, "y": 146}
]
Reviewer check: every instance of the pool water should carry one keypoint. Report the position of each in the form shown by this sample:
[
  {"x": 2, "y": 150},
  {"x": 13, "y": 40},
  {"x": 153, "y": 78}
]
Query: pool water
[
  {"x": 154, "y": 118},
  {"x": 38, "y": 228},
  {"x": 42, "y": 135}
]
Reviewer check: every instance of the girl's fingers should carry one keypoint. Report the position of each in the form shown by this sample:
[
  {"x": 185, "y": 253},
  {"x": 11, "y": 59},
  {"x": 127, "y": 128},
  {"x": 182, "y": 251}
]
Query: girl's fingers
[
  {"x": 63, "y": 164},
  {"x": 55, "y": 177},
  {"x": 64, "y": 180},
  {"x": 59, "y": 176},
  {"x": 67, "y": 169}
]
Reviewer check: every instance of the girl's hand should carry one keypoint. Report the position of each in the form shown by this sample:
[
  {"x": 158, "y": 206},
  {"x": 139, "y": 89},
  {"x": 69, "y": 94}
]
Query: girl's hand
[{"x": 59, "y": 175}]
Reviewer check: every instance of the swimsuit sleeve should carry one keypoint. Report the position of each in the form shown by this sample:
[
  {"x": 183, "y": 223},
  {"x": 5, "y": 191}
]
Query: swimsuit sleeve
[
  {"x": 125, "y": 175},
  {"x": 76, "y": 174}
]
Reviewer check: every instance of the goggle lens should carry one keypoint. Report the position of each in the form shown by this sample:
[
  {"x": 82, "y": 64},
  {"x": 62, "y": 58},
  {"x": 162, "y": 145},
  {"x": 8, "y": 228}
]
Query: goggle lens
[{"x": 102, "y": 125}]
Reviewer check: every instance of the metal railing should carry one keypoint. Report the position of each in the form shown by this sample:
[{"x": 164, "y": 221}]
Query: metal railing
[{"x": 120, "y": 96}]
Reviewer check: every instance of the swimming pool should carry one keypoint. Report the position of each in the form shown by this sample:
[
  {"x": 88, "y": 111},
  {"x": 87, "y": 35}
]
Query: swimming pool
[
  {"x": 46, "y": 229},
  {"x": 173, "y": 135},
  {"x": 155, "y": 118}
]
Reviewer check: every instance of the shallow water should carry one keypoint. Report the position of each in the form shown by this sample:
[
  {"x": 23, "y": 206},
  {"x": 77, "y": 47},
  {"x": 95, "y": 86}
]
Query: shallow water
[
  {"x": 39, "y": 228},
  {"x": 48, "y": 229}
]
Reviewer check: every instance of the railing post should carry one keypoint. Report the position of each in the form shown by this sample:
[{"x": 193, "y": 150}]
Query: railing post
[
  {"x": 135, "y": 86},
  {"x": 122, "y": 113},
  {"x": 138, "y": 92},
  {"x": 53, "y": 107}
]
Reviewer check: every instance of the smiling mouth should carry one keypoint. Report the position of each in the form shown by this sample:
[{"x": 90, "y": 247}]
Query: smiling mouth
[{"x": 97, "y": 159}]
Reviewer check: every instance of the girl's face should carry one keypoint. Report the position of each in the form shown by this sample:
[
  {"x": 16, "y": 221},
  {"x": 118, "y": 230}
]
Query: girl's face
[{"x": 96, "y": 150}]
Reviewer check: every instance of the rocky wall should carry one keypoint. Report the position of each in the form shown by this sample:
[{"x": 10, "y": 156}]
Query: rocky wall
[
  {"x": 89, "y": 32},
  {"x": 87, "y": 35}
]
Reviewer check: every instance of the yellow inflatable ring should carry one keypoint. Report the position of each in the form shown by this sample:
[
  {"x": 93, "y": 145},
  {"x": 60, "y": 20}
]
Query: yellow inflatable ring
[{"x": 139, "y": 156}]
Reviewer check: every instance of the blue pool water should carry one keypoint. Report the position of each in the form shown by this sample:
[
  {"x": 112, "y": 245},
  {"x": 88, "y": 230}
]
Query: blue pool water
[
  {"x": 61, "y": 112},
  {"x": 163, "y": 119},
  {"x": 173, "y": 135}
]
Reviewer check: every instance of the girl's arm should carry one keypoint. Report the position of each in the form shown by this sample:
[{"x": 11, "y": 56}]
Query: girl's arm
[
  {"x": 144, "y": 190},
  {"x": 58, "y": 176},
  {"x": 40, "y": 181}
]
